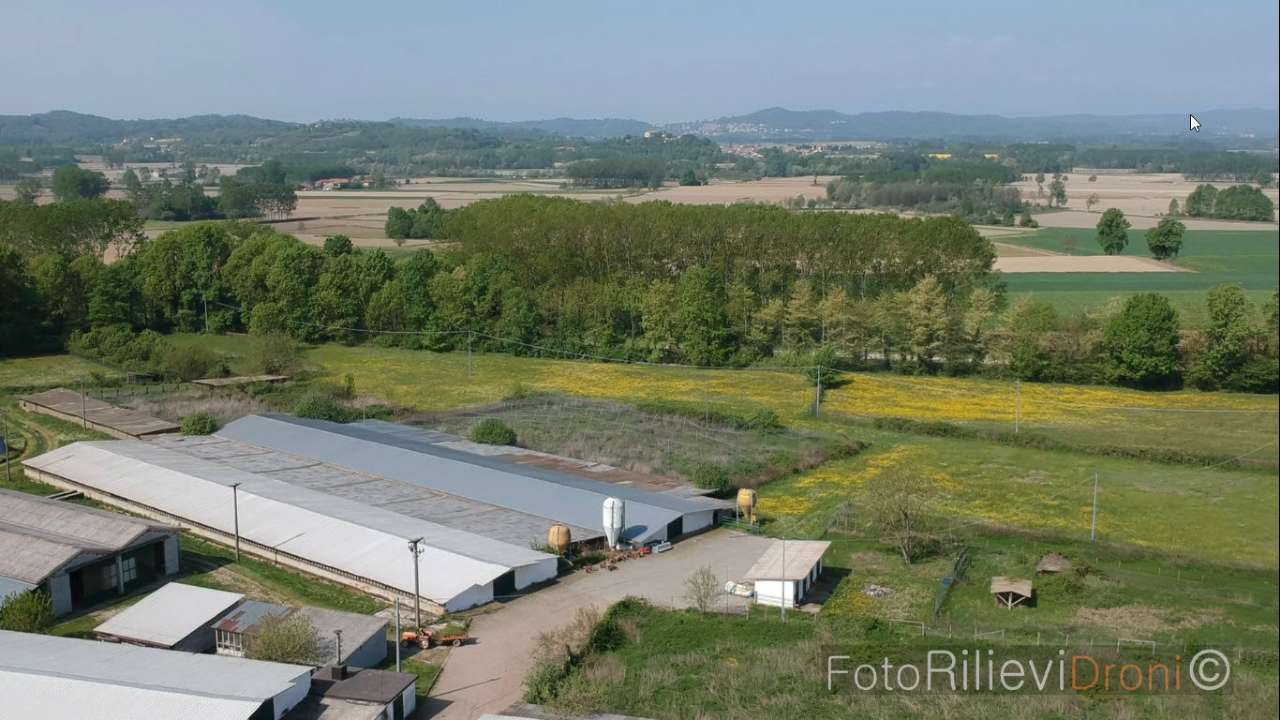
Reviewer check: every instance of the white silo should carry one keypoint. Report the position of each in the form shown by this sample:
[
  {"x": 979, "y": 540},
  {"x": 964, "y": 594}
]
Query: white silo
[{"x": 615, "y": 519}]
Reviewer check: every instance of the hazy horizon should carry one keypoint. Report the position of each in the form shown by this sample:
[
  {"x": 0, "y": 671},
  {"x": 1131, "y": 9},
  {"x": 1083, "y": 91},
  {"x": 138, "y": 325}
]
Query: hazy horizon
[{"x": 659, "y": 63}]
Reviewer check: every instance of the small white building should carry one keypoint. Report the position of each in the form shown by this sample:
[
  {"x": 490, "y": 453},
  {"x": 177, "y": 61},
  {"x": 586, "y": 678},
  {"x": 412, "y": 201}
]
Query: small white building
[
  {"x": 787, "y": 570},
  {"x": 175, "y": 617}
]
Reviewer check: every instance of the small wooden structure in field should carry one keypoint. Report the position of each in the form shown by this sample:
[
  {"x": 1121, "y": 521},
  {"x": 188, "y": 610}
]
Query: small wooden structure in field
[
  {"x": 119, "y": 422},
  {"x": 1011, "y": 592},
  {"x": 239, "y": 380}
]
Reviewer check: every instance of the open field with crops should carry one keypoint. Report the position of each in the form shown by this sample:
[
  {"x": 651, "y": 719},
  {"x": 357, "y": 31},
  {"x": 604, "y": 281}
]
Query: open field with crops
[
  {"x": 1249, "y": 258},
  {"x": 771, "y": 190},
  {"x": 1143, "y": 197}
]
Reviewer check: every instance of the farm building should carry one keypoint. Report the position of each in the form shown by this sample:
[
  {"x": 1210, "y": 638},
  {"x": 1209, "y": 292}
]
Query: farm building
[
  {"x": 330, "y": 536},
  {"x": 346, "y": 694},
  {"x": 57, "y": 678},
  {"x": 428, "y": 460},
  {"x": 363, "y": 637},
  {"x": 341, "y": 501},
  {"x": 79, "y": 555},
  {"x": 92, "y": 413},
  {"x": 787, "y": 570},
  {"x": 175, "y": 617}
]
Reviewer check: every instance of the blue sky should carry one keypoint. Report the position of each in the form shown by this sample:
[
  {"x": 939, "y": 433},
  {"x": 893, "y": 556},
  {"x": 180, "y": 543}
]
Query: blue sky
[{"x": 656, "y": 60}]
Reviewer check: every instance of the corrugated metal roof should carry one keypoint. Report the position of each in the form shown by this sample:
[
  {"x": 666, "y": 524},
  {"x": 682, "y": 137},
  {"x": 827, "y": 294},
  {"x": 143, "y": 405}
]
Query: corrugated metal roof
[
  {"x": 73, "y": 660},
  {"x": 356, "y": 628},
  {"x": 61, "y": 698},
  {"x": 800, "y": 556},
  {"x": 38, "y": 536},
  {"x": 365, "y": 541},
  {"x": 460, "y": 513},
  {"x": 405, "y": 453},
  {"x": 247, "y": 614},
  {"x": 169, "y": 614},
  {"x": 375, "y": 686}
]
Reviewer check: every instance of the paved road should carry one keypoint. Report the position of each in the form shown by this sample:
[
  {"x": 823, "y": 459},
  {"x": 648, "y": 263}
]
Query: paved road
[{"x": 487, "y": 675}]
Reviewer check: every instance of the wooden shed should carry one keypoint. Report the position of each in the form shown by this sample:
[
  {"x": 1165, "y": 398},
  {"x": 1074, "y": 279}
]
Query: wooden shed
[{"x": 1011, "y": 592}]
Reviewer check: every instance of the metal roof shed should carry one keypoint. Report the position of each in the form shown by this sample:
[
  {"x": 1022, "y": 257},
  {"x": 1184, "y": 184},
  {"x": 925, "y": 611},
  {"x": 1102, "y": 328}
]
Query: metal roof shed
[
  {"x": 54, "y": 677},
  {"x": 786, "y": 570},
  {"x": 175, "y": 617},
  {"x": 334, "y": 537},
  {"x": 404, "y": 453}
]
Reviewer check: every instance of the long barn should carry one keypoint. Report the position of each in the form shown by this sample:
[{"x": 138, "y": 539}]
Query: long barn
[{"x": 342, "y": 502}]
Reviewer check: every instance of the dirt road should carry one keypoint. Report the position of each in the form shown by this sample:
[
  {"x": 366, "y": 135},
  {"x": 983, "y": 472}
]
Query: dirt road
[{"x": 487, "y": 676}]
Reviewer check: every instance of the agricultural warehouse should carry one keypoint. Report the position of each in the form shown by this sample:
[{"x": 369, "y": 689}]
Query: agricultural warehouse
[
  {"x": 79, "y": 555},
  {"x": 787, "y": 570},
  {"x": 56, "y": 678},
  {"x": 428, "y": 460},
  {"x": 341, "y": 501},
  {"x": 364, "y": 637},
  {"x": 106, "y": 418},
  {"x": 175, "y": 617},
  {"x": 330, "y": 536}
]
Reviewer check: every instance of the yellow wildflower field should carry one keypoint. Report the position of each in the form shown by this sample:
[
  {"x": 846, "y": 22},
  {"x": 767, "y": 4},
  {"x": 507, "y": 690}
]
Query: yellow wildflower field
[
  {"x": 1207, "y": 422},
  {"x": 1174, "y": 509}
]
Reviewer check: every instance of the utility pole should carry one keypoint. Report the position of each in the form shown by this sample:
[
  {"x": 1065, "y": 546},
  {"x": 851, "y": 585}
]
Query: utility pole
[
  {"x": 84, "y": 405},
  {"x": 4, "y": 445},
  {"x": 817, "y": 393},
  {"x": 337, "y": 634},
  {"x": 1093, "y": 526},
  {"x": 1017, "y": 408},
  {"x": 235, "y": 511},
  {"x": 471, "y": 335},
  {"x": 398, "y": 632},
  {"x": 417, "y": 597},
  {"x": 206, "y": 316},
  {"x": 782, "y": 607}
]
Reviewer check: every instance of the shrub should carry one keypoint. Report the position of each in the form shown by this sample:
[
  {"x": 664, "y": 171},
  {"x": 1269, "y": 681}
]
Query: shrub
[
  {"x": 119, "y": 345},
  {"x": 276, "y": 354},
  {"x": 189, "y": 362},
  {"x": 492, "y": 431},
  {"x": 31, "y": 611},
  {"x": 199, "y": 423},
  {"x": 290, "y": 638},
  {"x": 701, "y": 589},
  {"x": 321, "y": 404},
  {"x": 710, "y": 476},
  {"x": 764, "y": 419}
]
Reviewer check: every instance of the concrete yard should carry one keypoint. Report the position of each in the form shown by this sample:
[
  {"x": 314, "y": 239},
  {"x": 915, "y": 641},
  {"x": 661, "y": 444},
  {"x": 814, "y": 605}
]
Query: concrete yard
[{"x": 487, "y": 675}]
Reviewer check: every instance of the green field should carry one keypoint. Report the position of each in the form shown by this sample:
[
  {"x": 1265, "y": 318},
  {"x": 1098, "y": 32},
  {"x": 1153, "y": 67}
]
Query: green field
[
  {"x": 1185, "y": 556},
  {"x": 1216, "y": 256}
]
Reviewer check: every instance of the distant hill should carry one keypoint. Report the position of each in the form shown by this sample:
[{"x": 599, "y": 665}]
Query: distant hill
[
  {"x": 63, "y": 127},
  {"x": 799, "y": 125},
  {"x": 567, "y": 127}
]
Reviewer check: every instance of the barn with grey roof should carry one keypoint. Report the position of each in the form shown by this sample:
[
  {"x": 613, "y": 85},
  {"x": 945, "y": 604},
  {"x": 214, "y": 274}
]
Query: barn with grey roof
[
  {"x": 79, "y": 555},
  {"x": 343, "y": 500}
]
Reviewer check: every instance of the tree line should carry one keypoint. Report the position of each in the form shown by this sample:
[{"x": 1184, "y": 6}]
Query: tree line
[
  {"x": 651, "y": 282},
  {"x": 1238, "y": 202}
]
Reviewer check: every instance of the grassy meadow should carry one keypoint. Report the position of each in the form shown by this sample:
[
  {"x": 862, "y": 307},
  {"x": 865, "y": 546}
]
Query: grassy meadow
[
  {"x": 1246, "y": 257},
  {"x": 1186, "y": 554}
]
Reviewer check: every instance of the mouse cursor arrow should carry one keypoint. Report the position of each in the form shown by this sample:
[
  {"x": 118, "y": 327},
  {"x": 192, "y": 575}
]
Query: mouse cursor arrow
[{"x": 1193, "y": 125}]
